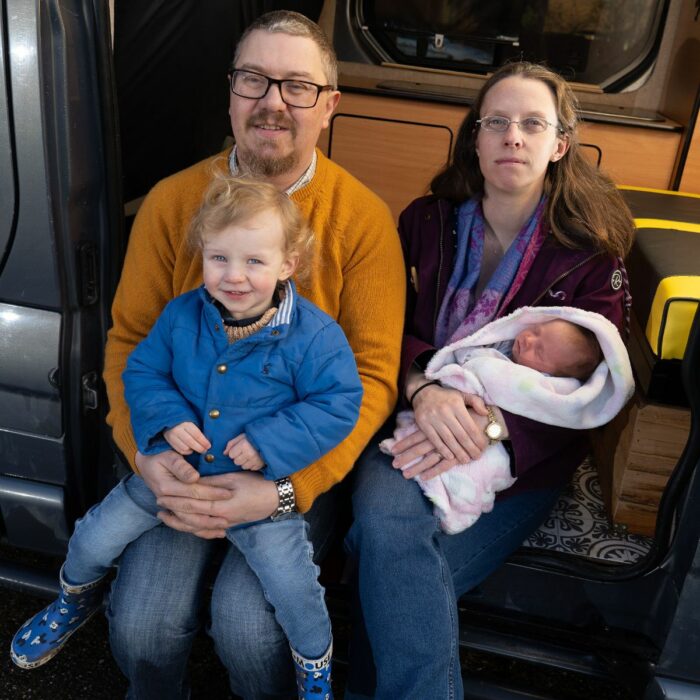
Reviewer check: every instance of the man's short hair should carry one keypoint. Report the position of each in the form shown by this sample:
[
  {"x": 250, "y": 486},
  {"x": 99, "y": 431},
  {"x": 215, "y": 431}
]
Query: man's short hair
[{"x": 295, "y": 24}]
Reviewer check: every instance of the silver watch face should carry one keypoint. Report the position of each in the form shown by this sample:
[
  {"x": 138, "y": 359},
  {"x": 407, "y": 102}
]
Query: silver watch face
[{"x": 494, "y": 431}]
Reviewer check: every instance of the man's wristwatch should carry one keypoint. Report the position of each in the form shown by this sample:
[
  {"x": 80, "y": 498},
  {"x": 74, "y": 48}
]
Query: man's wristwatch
[
  {"x": 288, "y": 503},
  {"x": 493, "y": 430}
]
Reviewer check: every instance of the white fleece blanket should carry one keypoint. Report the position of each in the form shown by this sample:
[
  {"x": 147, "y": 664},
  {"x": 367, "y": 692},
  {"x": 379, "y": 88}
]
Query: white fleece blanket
[{"x": 461, "y": 494}]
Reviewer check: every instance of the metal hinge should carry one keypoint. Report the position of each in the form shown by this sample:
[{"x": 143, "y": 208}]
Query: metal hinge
[
  {"x": 88, "y": 271},
  {"x": 89, "y": 387}
]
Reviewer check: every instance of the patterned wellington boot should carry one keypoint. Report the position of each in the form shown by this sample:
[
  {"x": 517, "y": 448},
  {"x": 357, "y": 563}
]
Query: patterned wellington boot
[
  {"x": 314, "y": 676},
  {"x": 41, "y": 637}
]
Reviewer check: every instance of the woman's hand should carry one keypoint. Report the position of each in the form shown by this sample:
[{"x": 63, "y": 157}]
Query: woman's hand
[
  {"x": 450, "y": 429},
  {"x": 250, "y": 497},
  {"x": 430, "y": 462},
  {"x": 443, "y": 417}
]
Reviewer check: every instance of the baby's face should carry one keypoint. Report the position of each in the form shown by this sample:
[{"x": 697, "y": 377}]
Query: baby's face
[{"x": 550, "y": 347}]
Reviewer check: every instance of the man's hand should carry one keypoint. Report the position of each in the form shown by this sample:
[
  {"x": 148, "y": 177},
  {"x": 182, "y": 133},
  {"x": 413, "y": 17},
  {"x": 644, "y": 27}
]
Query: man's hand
[
  {"x": 243, "y": 453},
  {"x": 250, "y": 498},
  {"x": 186, "y": 438},
  {"x": 169, "y": 474}
]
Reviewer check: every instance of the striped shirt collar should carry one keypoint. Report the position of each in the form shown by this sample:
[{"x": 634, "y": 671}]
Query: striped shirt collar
[
  {"x": 304, "y": 180},
  {"x": 284, "y": 311}
]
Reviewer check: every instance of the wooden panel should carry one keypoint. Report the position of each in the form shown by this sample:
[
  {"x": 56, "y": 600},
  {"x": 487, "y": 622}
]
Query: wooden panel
[
  {"x": 690, "y": 180},
  {"x": 636, "y": 454},
  {"x": 634, "y": 155},
  {"x": 394, "y": 159},
  {"x": 630, "y": 155},
  {"x": 449, "y": 115}
]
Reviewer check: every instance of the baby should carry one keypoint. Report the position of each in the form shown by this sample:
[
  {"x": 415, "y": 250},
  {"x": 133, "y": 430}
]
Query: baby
[
  {"x": 241, "y": 373},
  {"x": 557, "y": 348}
]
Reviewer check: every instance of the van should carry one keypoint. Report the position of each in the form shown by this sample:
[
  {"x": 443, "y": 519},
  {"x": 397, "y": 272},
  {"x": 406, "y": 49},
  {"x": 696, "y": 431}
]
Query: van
[{"x": 631, "y": 615}]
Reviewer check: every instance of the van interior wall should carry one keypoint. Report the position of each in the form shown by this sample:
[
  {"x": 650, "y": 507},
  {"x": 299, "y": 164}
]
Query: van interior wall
[
  {"x": 171, "y": 58},
  {"x": 683, "y": 73},
  {"x": 680, "y": 26},
  {"x": 388, "y": 125}
]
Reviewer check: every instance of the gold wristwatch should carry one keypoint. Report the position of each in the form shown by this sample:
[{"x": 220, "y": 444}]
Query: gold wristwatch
[{"x": 493, "y": 429}]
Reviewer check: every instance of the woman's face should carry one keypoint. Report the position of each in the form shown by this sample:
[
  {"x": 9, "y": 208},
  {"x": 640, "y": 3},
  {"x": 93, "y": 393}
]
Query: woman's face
[{"x": 514, "y": 161}]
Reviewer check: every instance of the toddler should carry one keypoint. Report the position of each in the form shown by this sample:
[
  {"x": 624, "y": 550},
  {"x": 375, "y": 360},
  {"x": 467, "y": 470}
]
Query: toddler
[{"x": 241, "y": 373}]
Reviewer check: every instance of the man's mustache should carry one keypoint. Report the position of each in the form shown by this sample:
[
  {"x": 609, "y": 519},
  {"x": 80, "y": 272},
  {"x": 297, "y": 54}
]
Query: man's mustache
[{"x": 267, "y": 117}]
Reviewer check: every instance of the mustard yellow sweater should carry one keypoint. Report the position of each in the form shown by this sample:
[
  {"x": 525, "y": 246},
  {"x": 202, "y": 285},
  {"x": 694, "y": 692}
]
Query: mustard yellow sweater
[{"x": 359, "y": 281}]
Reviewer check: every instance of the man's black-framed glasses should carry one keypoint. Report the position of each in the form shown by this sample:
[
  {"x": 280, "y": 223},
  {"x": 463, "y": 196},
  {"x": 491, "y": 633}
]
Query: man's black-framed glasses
[{"x": 295, "y": 93}]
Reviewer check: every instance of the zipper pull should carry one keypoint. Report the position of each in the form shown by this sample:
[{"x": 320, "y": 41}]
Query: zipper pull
[{"x": 414, "y": 278}]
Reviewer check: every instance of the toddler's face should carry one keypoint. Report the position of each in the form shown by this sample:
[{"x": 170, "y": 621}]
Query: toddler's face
[
  {"x": 550, "y": 347},
  {"x": 242, "y": 264}
]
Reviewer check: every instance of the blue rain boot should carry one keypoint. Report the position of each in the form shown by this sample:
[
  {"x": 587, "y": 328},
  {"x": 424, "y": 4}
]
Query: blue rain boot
[
  {"x": 41, "y": 637},
  {"x": 314, "y": 676}
]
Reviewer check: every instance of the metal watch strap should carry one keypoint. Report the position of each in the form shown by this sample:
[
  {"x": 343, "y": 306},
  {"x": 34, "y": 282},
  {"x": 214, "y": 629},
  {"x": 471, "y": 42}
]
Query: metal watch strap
[{"x": 288, "y": 503}]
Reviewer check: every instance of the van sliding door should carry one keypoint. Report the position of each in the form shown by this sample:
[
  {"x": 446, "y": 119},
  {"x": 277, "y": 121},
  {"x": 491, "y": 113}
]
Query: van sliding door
[{"x": 60, "y": 244}]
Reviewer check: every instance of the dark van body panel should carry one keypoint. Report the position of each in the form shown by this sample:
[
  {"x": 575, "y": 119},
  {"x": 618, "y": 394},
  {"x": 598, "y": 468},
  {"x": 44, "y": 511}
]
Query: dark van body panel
[{"x": 60, "y": 241}]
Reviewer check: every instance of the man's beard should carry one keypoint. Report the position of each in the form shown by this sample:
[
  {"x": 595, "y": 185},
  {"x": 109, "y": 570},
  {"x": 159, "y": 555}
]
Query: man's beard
[
  {"x": 261, "y": 165},
  {"x": 266, "y": 166}
]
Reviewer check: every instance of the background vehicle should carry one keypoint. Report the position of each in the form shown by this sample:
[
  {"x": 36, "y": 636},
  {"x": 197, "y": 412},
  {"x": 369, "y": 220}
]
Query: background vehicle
[{"x": 62, "y": 237}]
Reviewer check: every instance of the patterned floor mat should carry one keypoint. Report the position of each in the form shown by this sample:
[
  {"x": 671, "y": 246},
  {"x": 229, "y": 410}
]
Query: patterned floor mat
[{"x": 579, "y": 525}]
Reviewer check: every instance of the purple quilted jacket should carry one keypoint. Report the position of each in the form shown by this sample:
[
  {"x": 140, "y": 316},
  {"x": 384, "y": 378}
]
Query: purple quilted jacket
[{"x": 544, "y": 456}]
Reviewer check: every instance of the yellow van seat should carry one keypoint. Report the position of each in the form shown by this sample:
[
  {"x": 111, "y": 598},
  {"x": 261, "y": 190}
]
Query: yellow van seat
[
  {"x": 672, "y": 313},
  {"x": 664, "y": 275}
]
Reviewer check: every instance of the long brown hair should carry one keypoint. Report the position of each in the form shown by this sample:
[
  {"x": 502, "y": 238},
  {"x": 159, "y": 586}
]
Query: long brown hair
[{"x": 584, "y": 208}]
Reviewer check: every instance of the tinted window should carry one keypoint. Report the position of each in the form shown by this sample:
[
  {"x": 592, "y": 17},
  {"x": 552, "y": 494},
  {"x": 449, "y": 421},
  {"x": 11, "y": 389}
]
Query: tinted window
[{"x": 606, "y": 42}]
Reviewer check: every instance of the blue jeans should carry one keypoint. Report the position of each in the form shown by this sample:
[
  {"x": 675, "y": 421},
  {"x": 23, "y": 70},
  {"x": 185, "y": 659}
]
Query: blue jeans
[
  {"x": 282, "y": 558},
  {"x": 101, "y": 535},
  {"x": 279, "y": 553},
  {"x": 410, "y": 575}
]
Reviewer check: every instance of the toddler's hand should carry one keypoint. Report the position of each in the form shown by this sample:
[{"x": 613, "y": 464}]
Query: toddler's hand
[
  {"x": 186, "y": 438},
  {"x": 243, "y": 453}
]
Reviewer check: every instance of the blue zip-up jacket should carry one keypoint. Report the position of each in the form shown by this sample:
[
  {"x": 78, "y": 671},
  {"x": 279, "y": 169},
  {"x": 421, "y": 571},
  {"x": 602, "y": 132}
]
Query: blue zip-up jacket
[{"x": 292, "y": 387}]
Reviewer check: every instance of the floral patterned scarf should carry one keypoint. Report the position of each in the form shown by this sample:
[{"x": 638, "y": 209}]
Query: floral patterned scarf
[{"x": 460, "y": 313}]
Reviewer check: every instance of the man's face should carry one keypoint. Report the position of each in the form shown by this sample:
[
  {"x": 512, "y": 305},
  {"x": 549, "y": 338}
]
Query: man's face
[{"x": 276, "y": 141}]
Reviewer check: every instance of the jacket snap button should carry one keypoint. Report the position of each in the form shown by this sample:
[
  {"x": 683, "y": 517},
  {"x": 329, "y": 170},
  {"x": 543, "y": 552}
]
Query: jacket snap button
[
  {"x": 216, "y": 327},
  {"x": 275, "y": 333},
  {"x": 221, "y": 369},
  {"x": 209, "y": 458},
  {"x": 214, "y": 413}
]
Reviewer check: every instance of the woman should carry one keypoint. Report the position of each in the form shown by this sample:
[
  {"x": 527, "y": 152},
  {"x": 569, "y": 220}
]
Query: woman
[{"x": 518, "y": 218}]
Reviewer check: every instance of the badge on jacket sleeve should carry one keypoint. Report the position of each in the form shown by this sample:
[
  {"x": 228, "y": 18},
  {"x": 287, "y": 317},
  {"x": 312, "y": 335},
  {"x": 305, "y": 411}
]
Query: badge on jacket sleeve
[{"x": 616, "y": 280}]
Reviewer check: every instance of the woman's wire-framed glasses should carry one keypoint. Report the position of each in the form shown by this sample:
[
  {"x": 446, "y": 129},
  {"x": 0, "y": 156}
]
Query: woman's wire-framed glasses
[{"x": 529, "y": 125}]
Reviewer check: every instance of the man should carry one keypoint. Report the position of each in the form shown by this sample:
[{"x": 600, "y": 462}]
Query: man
[{"x": 283, "y": 92}]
